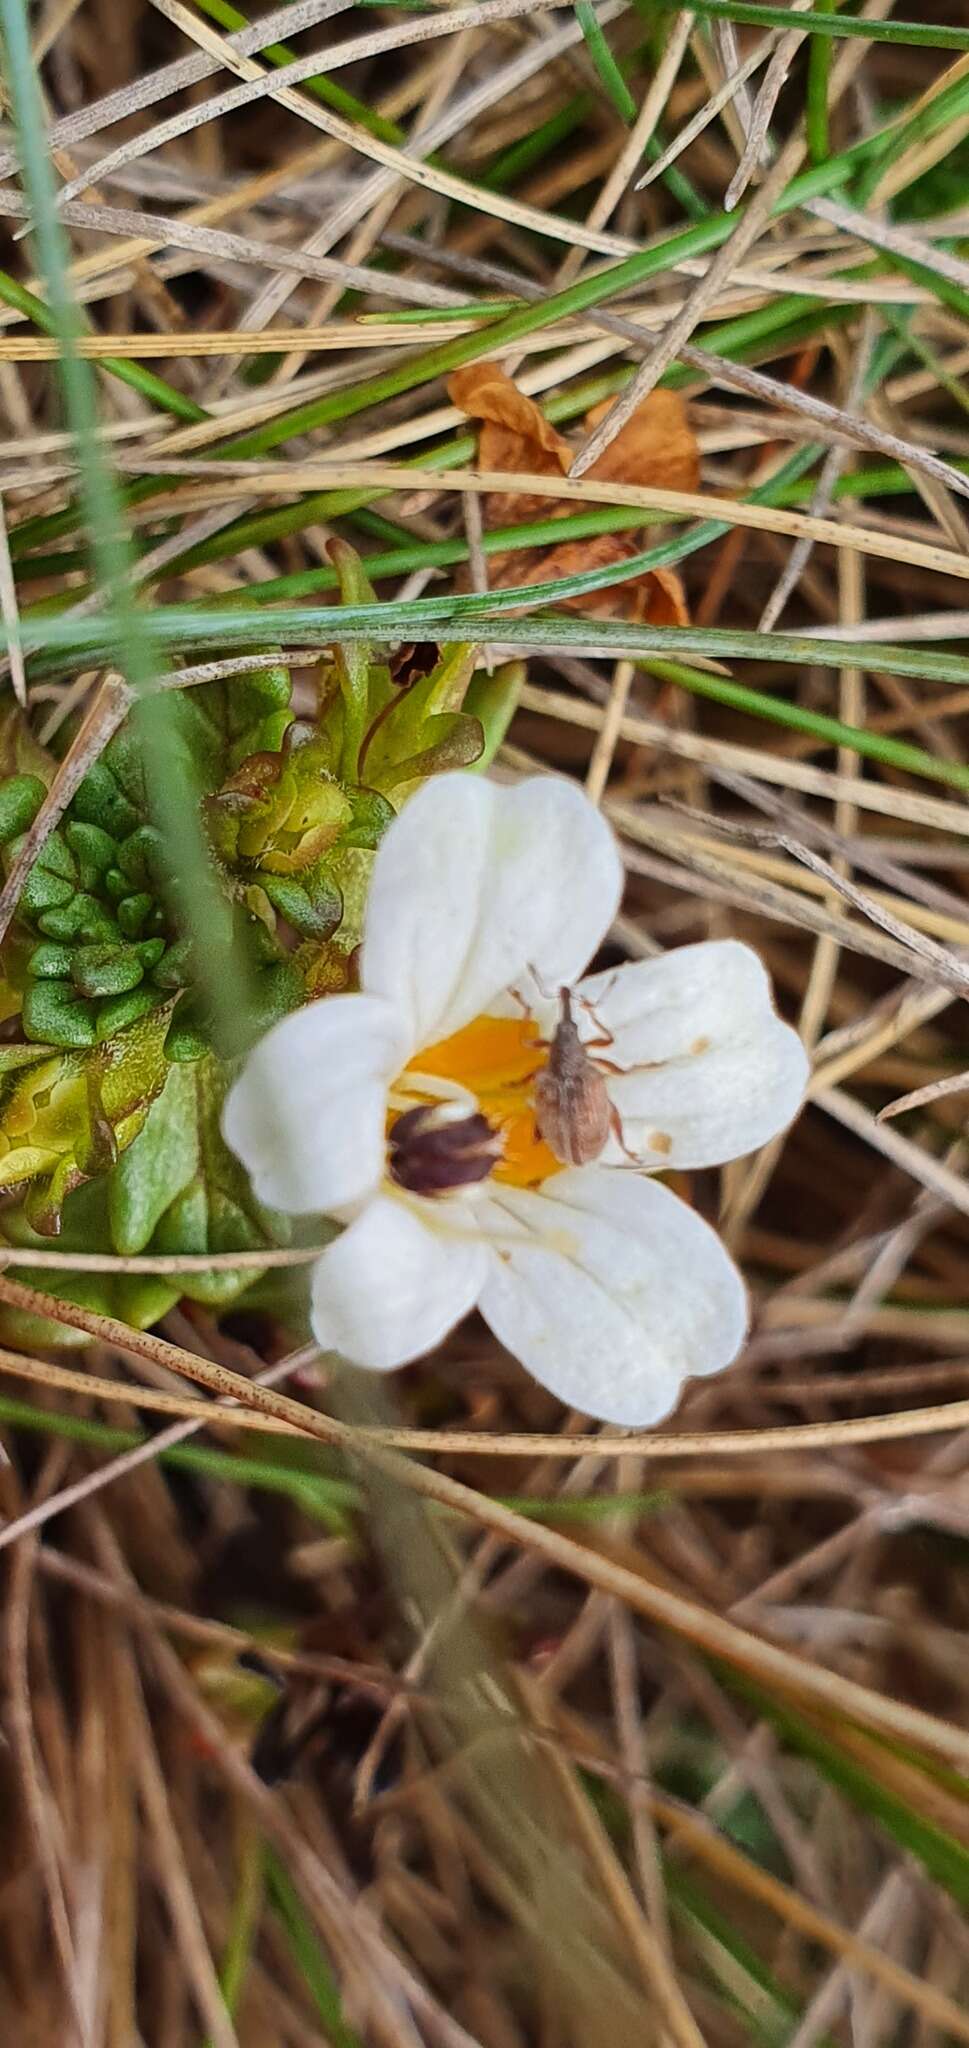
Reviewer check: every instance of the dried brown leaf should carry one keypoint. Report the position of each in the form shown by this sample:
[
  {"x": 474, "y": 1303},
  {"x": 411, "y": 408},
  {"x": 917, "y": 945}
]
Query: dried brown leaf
[
  {"x": 655, "y": 447},
  {"x": 514, "y": 435}
]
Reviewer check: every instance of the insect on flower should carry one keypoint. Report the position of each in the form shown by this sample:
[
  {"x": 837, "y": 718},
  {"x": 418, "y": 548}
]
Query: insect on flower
[
  {"x": 573, "y": 1112},
  {"x": 489, "y": 1145}
]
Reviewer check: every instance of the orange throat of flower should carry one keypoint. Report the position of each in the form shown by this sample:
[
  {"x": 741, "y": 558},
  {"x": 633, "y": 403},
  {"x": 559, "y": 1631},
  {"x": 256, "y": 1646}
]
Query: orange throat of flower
[{"x": 481, "y": 1083}]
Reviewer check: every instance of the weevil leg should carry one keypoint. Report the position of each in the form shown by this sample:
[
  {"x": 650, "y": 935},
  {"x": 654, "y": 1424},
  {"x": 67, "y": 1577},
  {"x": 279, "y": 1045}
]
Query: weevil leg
[
  {"x": 519, "y": 1000},
  {"x": 606, "y": 1036},
  {"x": 541, "y": 984},
  {"x": 615, "y": 1126}
]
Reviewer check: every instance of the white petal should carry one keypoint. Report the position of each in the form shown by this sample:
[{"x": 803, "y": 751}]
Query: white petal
[
  {"x": 710, "y": 1070},
  {"x": 612, "y": 1292},
  {"x": 391, "y": 1287},
  {"x": 474, "y": 884},
  {"x": 307, "y": 1115}
]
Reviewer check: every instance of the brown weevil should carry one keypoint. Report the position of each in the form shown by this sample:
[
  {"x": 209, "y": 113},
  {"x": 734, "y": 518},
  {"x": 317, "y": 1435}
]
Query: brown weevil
[{"x": 573, "y": 1112}]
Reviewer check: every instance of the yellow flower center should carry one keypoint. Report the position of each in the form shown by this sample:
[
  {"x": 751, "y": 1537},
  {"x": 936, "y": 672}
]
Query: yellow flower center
[{"x": 496, "y": 1061}]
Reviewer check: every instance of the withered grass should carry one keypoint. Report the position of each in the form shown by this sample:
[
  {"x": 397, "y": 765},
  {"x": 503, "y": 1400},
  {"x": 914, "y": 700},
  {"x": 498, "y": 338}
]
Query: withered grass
[{"x": 612, "y": 1741}]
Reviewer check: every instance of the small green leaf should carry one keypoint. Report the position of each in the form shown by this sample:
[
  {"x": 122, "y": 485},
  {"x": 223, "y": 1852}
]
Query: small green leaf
[
  {"x": 105, "y": 970},
  {"x": 93, "y": 850},
  {"x": 54, "y": 1014},
  {"x": 83, "y": 918},
  {"x": 313, "y": 905},
  {"x": 402, "y": 731},
  {"x": 101, "y": 801},
  {"x": 215, "y": 1209},
  {"x": 132, "y": 913},
  {"x": 115, "y": 1013},
  {"x": 187, "y": 1038},
  {"x": 370, "y": 816},
  {"x": 452, "y": 741},
  {"x": 157, "y": 1166},
  {"x": 50, "y": 962},
  {"x": 20, "y": 800},
  {"x": 43, "y": 891},
  {"x": 493, "y": 701}
]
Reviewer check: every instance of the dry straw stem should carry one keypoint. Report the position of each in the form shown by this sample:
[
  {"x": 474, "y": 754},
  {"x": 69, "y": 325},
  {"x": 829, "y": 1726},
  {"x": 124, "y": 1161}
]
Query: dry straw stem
[
  {"x": 776, "y": 769},
  {"x": 337, "y": 334},
  {"x": 920, "y": 1098},
  {"x": 100, "y": 723},
  {"x": 756, "y": 149},
  {"x": 750, "y": 227},
  {"x": 103, "y": 263},
  {"x": 880, "y": 907},
  {"x": 138, "y": 1455},
  {"x": 616, "y": 1890},
  {"x": 403, "y": 164},
  {"x": 929, "y": 912},
  {"x": 787, "y": 1673},
  {"x": 177, "y": 1621},
  {"x": 177, "y": 1885},
  {"x": 72, "y": 1380},
  {"x": 390, "y": 476},
  {"x": 686, "y": 1831},
  {"x": 10, "y": 614},
  {"x": 260, "y": 85},
  {"x": 670, "y": 341},
  {"x": 485, "y": 1443},
  {"x": 920, "y": 156},
  {"x": 843, "y": 428},
  {"x": 34, "y": 1787},
  {"x": 218, "y": 242},
  {"x": 729, "y": 881},
  {"x": 784, "y": 1543},
  {"x": 731, "y": 89},
  {"x": 920, "y": 1164},
  {"x": 145, "y": 91}
]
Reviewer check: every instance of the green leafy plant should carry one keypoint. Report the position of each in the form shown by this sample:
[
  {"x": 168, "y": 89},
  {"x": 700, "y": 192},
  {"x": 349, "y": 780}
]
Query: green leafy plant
[{"x": 115, "y": 1069}]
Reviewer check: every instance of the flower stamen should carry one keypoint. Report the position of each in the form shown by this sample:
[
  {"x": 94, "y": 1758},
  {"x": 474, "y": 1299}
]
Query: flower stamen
[
  {"x": 490, "y": 1066},
  {"x": 436, "y": 1148}
]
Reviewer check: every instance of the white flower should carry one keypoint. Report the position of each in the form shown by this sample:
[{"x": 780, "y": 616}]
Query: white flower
[{"x": 409, "y": 1112}]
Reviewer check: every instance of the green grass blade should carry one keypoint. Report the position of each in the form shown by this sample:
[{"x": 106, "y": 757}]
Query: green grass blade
[
  {"x": 917, "y": 34},
  {"x": 157, "y": 391},
  {"x": 324, "y": 1499},
  {"x": 311, "y": 1957},
  {"x": 607, "y": 69},
  {"x": 943, "y": 1857},
  {"x": 816, "y": 101},
  {"x": 321, "y": 88},
  {"x": 244, "y": 1921}
]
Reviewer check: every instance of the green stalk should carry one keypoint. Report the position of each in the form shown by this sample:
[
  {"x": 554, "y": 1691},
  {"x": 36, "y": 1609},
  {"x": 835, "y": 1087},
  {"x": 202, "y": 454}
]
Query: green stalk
[
  {"x": 816, "y": 103},
  {"x": 607, "y": 69},
  {"x": 311, "y": 1957},
  {"x": 495, "y": 616},
  {"x": 450, "y": 355},
  {"x": 872, "y": 746},
  {"x": 244, "y": 1922},
  {"x": 919, "y": 34},
  {"x": 325, "y": 1500},
  {"x": 157, "y": 391},
  {"x": 321, "y": 88},
  {"x": 405, "y": 554}
]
